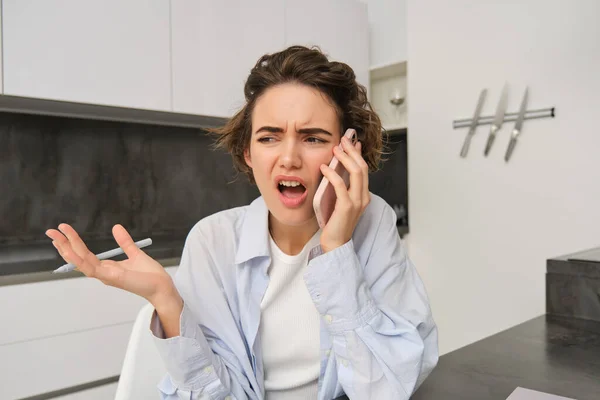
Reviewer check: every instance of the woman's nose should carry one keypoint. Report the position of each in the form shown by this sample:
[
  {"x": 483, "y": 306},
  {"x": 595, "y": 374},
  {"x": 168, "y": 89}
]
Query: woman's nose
[{"x": 290, "y": 155}]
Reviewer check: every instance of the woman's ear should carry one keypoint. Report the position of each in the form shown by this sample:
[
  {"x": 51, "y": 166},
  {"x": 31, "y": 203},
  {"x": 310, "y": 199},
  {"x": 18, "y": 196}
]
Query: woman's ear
[{"x": 247, "y": 158}]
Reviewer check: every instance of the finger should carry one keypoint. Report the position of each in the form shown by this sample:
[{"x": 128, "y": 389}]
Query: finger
[
  {"x": 356, "y": 179},
  {"x": 56, "y": 236},
  {"x": 358, "y": 157},
  {"x": 365, "y": 167},
  {"x": 75, "y": 241},
  {"x": 354, "y": 151},
  {"x": 58, "y": 248},
  {"x": 124, "y": 240},
  {"x": 339, "y": 186},
  {"x": 351, "y": 148},
  {"x": 77, "y": 253},
  {"x": 356, "y": 154},
  {"x": 60, "y": 242}
]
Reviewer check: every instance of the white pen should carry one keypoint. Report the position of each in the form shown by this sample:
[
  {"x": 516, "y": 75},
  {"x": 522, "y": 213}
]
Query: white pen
[{"x": 103, "y": 256}]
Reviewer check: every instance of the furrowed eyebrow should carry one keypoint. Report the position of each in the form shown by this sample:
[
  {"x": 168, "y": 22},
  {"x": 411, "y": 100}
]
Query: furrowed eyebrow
[
  {"x": 307, "y": 131},
  {"x": 314, "y": 130},
  {"x": 272, "y": 129}
]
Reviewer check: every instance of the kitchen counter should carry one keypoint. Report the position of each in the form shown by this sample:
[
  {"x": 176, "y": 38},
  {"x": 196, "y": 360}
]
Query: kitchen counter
[
  {"x": 540, "y": 354},
  {"x": 42, "y": 276},
  {"x": 35, "y": 261}
]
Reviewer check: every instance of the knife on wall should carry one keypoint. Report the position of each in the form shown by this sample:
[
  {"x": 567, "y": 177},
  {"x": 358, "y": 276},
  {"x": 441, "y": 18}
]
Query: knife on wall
[
  {"x": 517, "y": 129},
  {"x": 473, "y": 126},
  {"x": 498, "y": 119}
]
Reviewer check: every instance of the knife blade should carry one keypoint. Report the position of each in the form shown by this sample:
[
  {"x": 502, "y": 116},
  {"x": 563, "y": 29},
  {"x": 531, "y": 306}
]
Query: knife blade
[
  {"x": 518, "y": 125},
  {"x": 473, "y": 126},
  {"x": 498, "y": 119}
]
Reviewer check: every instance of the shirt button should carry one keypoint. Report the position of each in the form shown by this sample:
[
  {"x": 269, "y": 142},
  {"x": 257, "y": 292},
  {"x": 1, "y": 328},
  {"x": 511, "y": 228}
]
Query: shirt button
[
  {"x": 345, "y": 363},
  {"x": 328, "y": 352},
  {"x": 208, "y": 369},
  {"x": 328, "y": 318},
  {"x": 228, "y": 398}
]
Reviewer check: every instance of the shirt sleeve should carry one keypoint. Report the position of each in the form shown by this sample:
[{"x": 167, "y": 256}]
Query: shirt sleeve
[
  {"x": 200, "y": 362},
  {"x": 376, "y": 309}
]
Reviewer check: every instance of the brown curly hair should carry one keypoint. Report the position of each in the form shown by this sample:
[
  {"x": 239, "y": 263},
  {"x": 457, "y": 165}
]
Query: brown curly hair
[{"x": 311, "y": 67}]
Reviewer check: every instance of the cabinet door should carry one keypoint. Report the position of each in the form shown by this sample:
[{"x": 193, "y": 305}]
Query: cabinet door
[
  {"x": 339, "y": 27},
  {"x": 108, "y": 52},
  {"x": 215, "y": 44},
  {"x": 387, "y": 27},
  {"x": 62, "y": 333},
  {"x": 1, "y": 55}
]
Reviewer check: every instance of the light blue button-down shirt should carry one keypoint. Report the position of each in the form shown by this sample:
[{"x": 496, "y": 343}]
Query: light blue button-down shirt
[{"x": 378, "y": 339}]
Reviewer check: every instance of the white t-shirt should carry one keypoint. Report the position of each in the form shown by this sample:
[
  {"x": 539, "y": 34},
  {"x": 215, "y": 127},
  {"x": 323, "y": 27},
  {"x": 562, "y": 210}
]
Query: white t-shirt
[{"x": 290, "y": 328}]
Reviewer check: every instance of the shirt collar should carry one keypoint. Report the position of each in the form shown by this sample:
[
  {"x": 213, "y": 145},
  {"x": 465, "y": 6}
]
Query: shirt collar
[{"x": 254, "y": 236}]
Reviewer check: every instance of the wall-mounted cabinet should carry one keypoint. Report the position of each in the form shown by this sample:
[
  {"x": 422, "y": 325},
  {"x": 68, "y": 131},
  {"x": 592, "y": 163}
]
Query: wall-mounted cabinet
[
  {"x": 179, "y": 56},
  {"x": 339, "y": 27},
  {"x": 387, "y": 27},
  {"x": 215, "y": 44},
  {"x": 1, "y": 54},
  {"x": 106, "y": 52}
]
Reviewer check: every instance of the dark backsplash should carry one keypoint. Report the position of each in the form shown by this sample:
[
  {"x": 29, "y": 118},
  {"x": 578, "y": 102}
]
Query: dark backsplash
[
  {"x": 157, "y": 181},
  {"x": 391, "y": 181},
  {"x": 154, "y": 180}
]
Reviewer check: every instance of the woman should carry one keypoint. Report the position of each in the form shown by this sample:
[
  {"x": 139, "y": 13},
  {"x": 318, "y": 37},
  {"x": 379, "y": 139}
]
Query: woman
[{"x": 265, "y": 304}]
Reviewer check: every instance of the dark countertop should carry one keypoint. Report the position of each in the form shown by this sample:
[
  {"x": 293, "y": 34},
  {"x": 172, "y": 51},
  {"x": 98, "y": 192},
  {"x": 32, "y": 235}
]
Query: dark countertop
[
  {"x": 42, "y": 276},
  {"x": 583, "y": 263},
  {"x": 34, "y": 262},
  {"x": 540, "y": 354}
]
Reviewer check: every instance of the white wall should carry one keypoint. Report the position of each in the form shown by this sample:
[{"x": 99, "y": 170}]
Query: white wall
[{"x": 481, "y": 230}]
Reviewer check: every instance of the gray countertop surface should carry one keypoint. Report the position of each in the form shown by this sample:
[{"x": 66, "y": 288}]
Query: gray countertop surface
[
  {"x": 43, "y": 276},
  {"x": 540, "y": 354}
]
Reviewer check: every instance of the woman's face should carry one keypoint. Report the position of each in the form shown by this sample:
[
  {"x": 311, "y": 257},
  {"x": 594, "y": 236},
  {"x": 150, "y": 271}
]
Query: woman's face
[{"x": 294, "y": 130}]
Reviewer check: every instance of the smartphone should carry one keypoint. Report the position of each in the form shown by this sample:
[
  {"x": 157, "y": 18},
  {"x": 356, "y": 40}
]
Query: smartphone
[{"x": 325, "y": 198}]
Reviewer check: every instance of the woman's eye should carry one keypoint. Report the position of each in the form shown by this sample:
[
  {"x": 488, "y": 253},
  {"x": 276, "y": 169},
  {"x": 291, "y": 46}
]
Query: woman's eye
[{"x": 313, "y": 139}]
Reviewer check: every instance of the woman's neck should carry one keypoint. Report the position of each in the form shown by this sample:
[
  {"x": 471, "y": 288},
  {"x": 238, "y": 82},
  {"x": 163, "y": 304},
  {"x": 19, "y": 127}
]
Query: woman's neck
[{"x": 292, "y": 239}]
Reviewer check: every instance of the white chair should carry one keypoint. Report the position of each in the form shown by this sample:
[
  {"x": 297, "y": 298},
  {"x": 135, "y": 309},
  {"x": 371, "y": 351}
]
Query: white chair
[{"x": 143, "y": 367}]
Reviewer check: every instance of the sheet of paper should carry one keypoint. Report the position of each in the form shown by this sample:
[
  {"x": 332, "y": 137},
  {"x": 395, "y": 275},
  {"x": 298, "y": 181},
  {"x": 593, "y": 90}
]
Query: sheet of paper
[{"x": 528, "y": 394}]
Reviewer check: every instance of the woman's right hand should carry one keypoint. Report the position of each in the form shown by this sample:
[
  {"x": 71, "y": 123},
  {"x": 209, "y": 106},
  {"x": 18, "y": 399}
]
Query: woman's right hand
[{"x": 139, "y": 274}]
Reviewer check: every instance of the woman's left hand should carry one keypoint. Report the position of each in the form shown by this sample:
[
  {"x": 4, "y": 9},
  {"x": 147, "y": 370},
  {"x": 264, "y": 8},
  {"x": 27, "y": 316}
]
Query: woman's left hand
[{"x": 351, "y": 201}]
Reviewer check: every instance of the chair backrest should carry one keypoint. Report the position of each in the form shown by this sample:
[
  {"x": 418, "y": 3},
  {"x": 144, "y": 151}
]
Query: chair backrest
[{"x": 143, "y": 367}]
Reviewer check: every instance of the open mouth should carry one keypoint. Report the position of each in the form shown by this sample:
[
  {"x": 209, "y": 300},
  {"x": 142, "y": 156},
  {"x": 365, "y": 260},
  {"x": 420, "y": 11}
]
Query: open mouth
[{"x": 291, "y": 189}]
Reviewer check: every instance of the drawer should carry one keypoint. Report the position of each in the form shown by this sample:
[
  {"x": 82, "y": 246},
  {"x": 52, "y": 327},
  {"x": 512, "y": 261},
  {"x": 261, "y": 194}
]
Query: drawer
[
  {"x": 53, "y": 363},
  {"x": 44, "y": 309}
]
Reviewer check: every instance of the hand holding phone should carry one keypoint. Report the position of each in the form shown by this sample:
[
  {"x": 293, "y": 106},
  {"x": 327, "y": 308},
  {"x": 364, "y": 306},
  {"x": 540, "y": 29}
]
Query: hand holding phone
[{"x": 325, "y": 198}]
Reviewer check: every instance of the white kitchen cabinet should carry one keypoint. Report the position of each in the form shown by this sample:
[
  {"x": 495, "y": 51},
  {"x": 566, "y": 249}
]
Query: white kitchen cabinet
[
  {"x": 107, "y": 52},
  {"x": 57, "y": 362},
  {"x": 61, "y": 333},
  {"x": 387, "y": 27},
  {"x": 1, "y": 54},
  {"x": 339, "y": 27},
  {"x": 214, "y": 46},
  {"x": 53, "y": 308}
]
